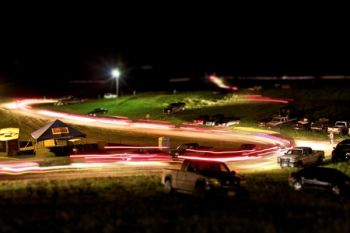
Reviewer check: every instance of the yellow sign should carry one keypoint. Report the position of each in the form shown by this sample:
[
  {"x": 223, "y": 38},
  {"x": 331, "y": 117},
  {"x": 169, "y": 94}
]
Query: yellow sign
[
  {"x": 60, "y": 130},
  {"x": 7, "y": 134}
]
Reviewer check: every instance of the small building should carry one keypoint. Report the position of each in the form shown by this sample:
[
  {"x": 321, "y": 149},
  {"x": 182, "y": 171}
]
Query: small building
[{"x": 57, "y": 136}]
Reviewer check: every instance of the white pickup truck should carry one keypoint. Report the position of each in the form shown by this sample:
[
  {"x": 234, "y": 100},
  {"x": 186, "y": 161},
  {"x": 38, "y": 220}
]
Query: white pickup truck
[
  {"x": 278, "y": 120},
  {"x": 340, "y": 127},
  {"x": 300, "y": 156},
  {"x": 199, "y": 177}
]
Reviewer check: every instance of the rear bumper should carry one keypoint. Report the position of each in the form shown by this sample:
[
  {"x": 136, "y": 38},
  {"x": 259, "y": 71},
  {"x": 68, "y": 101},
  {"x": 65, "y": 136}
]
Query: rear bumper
[{"x": 288, "y": 164}]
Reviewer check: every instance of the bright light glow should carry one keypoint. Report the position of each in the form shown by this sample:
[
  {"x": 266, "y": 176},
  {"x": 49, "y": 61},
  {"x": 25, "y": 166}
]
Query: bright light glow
[
  {"x": 122, "y": 157},
  {"x": 251, "y": 129},
  {"x": 115, "y": 73},
  {"x": 221, "y": 159},
  {"x": 136, "y": 147},
  {"x": 220, "y": 83}
]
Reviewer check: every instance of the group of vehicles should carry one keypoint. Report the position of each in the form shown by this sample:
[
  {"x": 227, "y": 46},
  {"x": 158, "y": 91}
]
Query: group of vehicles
[
  {"x": 289, "y": 116},
  {"x": 305, "y": 156},
  {"x": 205, "y": 178},
  {"x": 201, "y": 177},
  {"x": 207, "y": 120}
]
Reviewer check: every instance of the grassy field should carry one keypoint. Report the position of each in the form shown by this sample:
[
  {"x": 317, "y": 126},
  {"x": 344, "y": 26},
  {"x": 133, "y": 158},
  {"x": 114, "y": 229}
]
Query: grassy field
[
  {"x": 138, "y": 204},
  {"x": 197, "y": 103},
  {"x": 316, "y": 103}
]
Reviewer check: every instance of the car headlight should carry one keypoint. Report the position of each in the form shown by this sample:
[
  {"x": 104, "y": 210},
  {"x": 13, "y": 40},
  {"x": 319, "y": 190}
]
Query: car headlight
[{"x": 214, "y": 182}]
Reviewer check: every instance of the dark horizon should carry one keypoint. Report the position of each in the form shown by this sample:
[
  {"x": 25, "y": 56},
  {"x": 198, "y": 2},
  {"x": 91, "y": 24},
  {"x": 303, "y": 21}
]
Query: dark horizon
[{"x": 49, "y": 57}]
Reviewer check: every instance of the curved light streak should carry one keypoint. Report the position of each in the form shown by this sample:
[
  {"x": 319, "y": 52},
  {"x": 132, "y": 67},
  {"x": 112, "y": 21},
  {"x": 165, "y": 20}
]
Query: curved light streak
[{"x": 272, "y": 143}]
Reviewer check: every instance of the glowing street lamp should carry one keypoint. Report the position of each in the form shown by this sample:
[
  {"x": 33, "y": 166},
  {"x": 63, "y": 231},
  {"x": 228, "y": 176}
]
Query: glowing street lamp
[{"x": 116, "y": 74}]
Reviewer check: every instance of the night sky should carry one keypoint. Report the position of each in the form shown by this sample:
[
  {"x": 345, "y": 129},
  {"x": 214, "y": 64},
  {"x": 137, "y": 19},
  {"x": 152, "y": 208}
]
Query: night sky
[{"x": 49, "y": 52}]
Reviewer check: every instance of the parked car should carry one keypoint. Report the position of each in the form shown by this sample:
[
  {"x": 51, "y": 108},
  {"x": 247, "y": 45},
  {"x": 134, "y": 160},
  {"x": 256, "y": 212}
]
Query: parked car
[
  {"x": 300, "y": 156},
  {"x": 321, "y": 125},
  {"x": 342, "y": 151},
  {"x": 320, "y": 178},
  {"x": 200, "y": 178},
  {"x": 302, "y": 124},
  {"x": 175, "y": 107},
  {"x": 109, "y": 96},
  {"x": 277, "y": 121},
  {"x": 98, "y": 111},
  {"x": 340, "y": 127}
]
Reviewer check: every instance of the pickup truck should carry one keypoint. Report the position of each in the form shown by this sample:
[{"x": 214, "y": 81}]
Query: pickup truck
[
  {"x": 300, "y": 156},
  {"x": 277, "y": 121},
  {"x": 340, "y": 127},
  {"x": 199, "y": 177}
]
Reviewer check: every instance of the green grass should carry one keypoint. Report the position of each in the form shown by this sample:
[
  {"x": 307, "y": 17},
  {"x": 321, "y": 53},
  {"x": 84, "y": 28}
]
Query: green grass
[{"x": 317, "y": 102}]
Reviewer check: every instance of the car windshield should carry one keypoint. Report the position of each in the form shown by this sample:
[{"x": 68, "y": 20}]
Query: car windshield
[
  {"x": 294, "y": 152},
  {"x": 206, "y": 168},
  {"x": 340, "y": 124}
]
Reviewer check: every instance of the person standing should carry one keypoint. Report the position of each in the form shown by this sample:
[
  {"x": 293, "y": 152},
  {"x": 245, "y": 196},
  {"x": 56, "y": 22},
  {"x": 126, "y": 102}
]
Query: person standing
[{"x": 331, "y": 138}]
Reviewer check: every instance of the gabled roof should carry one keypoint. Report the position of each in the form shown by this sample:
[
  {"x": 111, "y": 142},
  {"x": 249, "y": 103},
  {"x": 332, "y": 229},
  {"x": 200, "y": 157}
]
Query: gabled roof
[{"x": 56, "y": 130}]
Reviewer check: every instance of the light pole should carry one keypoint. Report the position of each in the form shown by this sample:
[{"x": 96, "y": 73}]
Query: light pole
[{"x": 116, "y": 74}]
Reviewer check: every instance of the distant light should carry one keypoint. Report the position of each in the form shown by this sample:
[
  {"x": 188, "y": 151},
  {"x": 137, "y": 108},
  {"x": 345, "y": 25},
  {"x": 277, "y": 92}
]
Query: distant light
[
  {"x": 220, "y": 83},
  {"x": 115, "y": 73}
]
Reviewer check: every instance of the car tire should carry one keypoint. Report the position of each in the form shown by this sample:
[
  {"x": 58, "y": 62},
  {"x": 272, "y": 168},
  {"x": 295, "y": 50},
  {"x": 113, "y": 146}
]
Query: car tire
[
  {"x": 199, "y": 190},
  {"x": 300, "y": 164},
  {"x": 319, "y": 161},
  {"x": 297, "y": 186},
  {"x": 168, "y": 187}
]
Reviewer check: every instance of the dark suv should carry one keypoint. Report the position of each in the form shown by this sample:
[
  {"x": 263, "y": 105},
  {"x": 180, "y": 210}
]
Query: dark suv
[
  {"x": 342, "y": 151},
  {"x": 320, "y": 178},
  {"x": 175, "y": 107},
  {"x": 98, "y": 111}
]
